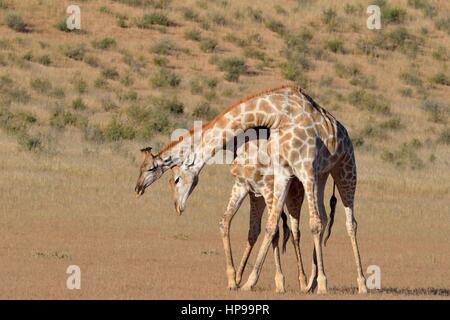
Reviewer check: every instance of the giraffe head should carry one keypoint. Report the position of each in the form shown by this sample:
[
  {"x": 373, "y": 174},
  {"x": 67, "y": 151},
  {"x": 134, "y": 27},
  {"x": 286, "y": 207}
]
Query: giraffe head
[
  {"x": 182, "y": 183},
  {"x": 150, "y": 170}
]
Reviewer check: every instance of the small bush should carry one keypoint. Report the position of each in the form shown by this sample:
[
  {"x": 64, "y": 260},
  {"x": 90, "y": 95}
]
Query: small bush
[
  {"x": 441, "y": 54},
  {"x": 29, "y": 142},
  {"x": 233, "y": 67},
  {"x": 444, "y": 136},
  {"x": 441, "y": 78},
  {"x": 436, "y": 110},
  {"x": 276, "y": 26},
  {"x": 44, "y": 60},
  {"x": 428, "y": 9},
  {"x": 165, "y": 78},
  {"x": 105, "y": 43},
  {"x": 329, "y": 16},
  {"x": 75, "y": 52},
  {"x": 160, "y": 61},
  {"x": 110, "y": 73},
  {"x": 335, "y": 45},
  {"x": 208, "y": 45},
  {"x": 368, "y": 101},
  {"x": 218, "y": 19},
  {"x": 80, "y": 86},
  {"x": 193, "y": 34},
  {"x": 172, "y": 105},
  {"x": 92, "y": 61},
  {"x": 443, "y": 24},
  {"x": 163, "y": 47},
  {"x": 151, "y": 19},
  {"x": 347, "y": 71},
  {"x": 78, "y": 104},
  {"x": 16, "y": 23},
  {"x": 41, "y": 85},
  {"x": 392, "y": 124},
  {"x": 411, "y": 77},
  {"x": 190, "y": 14},
  {"x": 116, "y": 131},
  {"x": 60, "y": 119},
  {"x": 204, "y": 111},
  {"x": 393, "y": 14},
  {"x": 93, "y": 133}
]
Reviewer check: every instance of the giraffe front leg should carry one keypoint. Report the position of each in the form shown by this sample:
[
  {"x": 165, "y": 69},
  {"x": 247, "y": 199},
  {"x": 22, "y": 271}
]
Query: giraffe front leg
[
  {"x": 294, "y": 202},
  {"x": 279, "y": 277},
  {"x": 237, "y": 195},
  {"x": 314, "y": 189},
  {"x": 280, "y": 187}
]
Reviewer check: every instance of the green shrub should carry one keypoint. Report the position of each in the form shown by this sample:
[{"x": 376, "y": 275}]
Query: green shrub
[
  {"x": 276, "y": 26},
  {"x": 44, "y": 60},
  {"x": 208, "y": 45},
  {"x": 29, "y": 142},
  {"x": 335, "y": 45},
  {"x": 411, "y": 77},
  {"x": 443, "y": 24},
  {"x": 92, "y": 61},
  {"x": 105, "y": 43},
  {"x": 151, "y": 19},
  {"x": 165, "y": 78},
  {"x": 441, "y": 78},
  {"x": 75, "y": 52},
  {"x": 62, "y": 26},
  {"x": 347, "y": 71},
  {"x": 172, "y": 105},
  {"x": 60, "y": 119},
  {"x": 392, "y": 124},
  {"x": 190, "y": 14},
  {"x": 329, "y": 16},
  {"x": 436, "y": 110},
  {"x": 368, "y": 101},
  {"x": 428, "y": 9},
  {"x": 441, "y": 54},
  {"x": 16, "y": 23},
  {"x": 393, "y": 14},
  {"x": 93, "y": 133},
  {"x": 110, "y": 73},
  {"x": 192, "y": 34},
  {"x": 444, "y": 136},
  {"x": 116, "y": 131},
  {"x": 78, "y": 104},
  {"x": 160, "y": 61},
  {"x": 204, "y": 111},
  {"x": 41, "y": 85},
  {"x": 233, "y": 67},
  {"x": 80, "y": 86},
  {"x": 163, "y": 47}
]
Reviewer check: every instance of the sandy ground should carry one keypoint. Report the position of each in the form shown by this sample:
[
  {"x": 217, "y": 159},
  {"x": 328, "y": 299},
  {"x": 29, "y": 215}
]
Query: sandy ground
[{"x": 79, "y": 209}]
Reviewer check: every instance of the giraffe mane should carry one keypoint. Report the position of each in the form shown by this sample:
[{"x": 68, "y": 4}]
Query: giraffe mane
[{"x": 209, "y": 124}]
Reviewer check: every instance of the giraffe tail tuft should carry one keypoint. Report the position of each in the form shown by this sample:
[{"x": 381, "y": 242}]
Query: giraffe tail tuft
[
  {"x": 286, "y": 230},
  {"x": 333, "y": 202}
]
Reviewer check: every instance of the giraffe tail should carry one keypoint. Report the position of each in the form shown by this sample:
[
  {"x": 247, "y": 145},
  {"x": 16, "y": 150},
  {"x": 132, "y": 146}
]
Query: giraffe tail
[
  {"x": 333, "y": 202},
  {"x": 286, "y": 230}
]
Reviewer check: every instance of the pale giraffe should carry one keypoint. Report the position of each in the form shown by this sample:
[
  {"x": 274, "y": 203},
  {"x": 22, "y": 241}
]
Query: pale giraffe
[
  {"x": 254, "y": 179},
  {"x": 313, "y": 144}
]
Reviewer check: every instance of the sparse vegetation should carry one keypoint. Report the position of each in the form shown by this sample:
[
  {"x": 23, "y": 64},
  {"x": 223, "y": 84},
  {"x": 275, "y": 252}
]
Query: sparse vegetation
[
  {"x": 16, "y": 23},
  {"x": 164, "y": 77},
  {"x": 105, "y": 43},
  {"x": 152, "y": 19},
  {"x": 233, "y": 67}
]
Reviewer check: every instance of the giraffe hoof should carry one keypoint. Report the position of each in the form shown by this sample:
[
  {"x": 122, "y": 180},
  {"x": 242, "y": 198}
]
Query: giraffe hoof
[
  {"x": 232, "y": 287},
  {"x": 280, "y": 290},
  {"x": 322, "y": 291},
  {"x": 247, "y": 288}
]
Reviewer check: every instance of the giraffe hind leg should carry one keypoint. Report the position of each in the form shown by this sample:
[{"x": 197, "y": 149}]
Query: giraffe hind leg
[{"x": 345, "y": 178}]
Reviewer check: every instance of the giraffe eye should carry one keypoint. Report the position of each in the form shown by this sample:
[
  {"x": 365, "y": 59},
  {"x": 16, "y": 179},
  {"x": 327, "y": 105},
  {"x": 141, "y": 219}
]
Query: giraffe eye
[
  {"x": 152, "y": 168},
  {"x": 177, "y": 179}
]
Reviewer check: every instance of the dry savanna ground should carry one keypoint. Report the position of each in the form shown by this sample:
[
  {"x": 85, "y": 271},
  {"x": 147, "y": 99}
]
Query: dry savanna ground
[{"x": 76, "y": 106}]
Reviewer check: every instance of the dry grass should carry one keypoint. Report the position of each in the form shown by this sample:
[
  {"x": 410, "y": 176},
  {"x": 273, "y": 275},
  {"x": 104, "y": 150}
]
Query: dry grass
[{"x": 70, "y": 201}]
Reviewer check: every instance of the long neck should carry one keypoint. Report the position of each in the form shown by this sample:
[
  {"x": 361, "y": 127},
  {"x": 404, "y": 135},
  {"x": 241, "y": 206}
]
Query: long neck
[{"x": 256, "y": 113}]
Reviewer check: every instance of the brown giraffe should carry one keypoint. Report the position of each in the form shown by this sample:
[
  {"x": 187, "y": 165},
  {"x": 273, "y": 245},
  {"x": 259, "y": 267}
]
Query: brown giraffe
[
  {"x": 313, "y": 144},
  {"x": 254, "y": 179}
]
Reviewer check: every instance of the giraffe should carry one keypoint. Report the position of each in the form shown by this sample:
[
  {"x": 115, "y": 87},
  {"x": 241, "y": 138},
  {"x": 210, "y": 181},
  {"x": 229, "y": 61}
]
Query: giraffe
[
  {"x": 254, "y": 179},
  {"x": 313, "y": 145}
]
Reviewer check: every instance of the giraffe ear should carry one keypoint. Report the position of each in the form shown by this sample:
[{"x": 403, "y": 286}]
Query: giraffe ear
[{"x": 190, "y": 160}]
